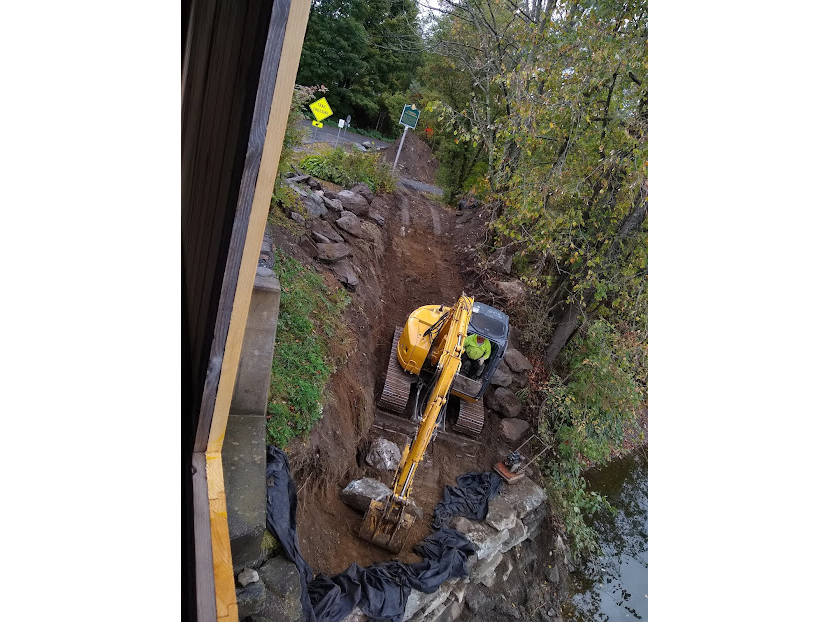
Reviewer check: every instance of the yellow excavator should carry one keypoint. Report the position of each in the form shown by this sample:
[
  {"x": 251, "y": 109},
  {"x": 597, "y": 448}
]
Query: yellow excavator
[{"x": 428, "y": 350}]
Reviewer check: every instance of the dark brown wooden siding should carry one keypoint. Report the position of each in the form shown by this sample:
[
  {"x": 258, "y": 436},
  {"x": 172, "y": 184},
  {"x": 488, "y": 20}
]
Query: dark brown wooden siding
[{"x": 230, "y": 51}]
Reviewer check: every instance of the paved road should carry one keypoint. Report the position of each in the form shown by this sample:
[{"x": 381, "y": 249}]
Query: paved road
[
  {"x": 329, "y": 135},
  {"x": 419, "y": 185}
]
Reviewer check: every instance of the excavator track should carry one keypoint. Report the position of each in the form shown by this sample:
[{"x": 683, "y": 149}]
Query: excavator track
[
  {"x": 396, "y": 387},
  {"x": 470, "y": 418}
]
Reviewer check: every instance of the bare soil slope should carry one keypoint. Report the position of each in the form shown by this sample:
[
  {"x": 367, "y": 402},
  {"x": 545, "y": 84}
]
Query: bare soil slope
[
  {"x": 413, "y": 262},
  {"x": 416, "y": 160}
]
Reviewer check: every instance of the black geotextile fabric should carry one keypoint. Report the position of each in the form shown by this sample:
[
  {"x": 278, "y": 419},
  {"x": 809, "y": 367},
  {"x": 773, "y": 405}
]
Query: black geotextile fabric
[
  {"x": 469, "y": 499},
  {"x": 381, "y": 590}
]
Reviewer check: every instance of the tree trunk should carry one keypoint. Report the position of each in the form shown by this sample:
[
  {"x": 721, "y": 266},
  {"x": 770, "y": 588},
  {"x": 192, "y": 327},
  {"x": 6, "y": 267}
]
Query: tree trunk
[{"x": 571, "y": 319}]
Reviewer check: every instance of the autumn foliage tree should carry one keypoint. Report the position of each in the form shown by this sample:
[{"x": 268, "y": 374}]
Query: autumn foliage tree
[{"x": 560, "y": 106}]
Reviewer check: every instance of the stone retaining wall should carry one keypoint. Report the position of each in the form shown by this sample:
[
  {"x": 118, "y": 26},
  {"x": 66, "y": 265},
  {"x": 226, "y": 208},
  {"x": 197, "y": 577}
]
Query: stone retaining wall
[{"x": 514, "y": 516}]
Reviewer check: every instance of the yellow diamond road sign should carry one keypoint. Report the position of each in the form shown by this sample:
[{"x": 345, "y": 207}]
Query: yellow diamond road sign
[{"x": 321, "y": 109}]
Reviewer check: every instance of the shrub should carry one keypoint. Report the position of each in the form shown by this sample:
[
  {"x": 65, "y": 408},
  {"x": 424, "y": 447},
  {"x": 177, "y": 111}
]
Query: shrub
[
  {"x": 347, "y": 169},
  {"x": 584, "y": 416}
]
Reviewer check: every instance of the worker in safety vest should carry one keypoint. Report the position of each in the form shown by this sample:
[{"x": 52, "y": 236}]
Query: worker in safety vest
[{"x": 476, "y": 353}]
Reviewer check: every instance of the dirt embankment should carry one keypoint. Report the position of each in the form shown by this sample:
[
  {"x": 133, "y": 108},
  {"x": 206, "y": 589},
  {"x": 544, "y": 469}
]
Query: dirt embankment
[
  {"x": 416, "y": 160},
  {"x": 414, "y": 264},
  {"x": 420, "y": 255}
]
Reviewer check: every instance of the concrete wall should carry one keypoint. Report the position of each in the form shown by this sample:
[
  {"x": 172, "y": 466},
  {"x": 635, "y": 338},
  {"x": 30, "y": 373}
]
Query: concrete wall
[{"x": 243, "y": 451}]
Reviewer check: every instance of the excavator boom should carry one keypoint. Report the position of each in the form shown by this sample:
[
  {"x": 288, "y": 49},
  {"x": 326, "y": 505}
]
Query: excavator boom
[{"x": 387, "y": 522}]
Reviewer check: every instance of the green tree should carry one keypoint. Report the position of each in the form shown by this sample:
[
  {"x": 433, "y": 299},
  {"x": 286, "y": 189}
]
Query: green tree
[
  {"x": 559, "y": 102},
  {"x": 362, "y": 51}
]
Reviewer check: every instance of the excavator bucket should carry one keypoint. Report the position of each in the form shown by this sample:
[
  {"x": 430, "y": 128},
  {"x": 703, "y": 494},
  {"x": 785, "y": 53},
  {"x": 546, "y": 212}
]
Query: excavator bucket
[{"x": 386, "y": 524}]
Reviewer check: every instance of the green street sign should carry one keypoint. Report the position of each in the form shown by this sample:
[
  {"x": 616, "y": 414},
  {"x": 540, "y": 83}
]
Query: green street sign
[{"x": 409, "y": 116}]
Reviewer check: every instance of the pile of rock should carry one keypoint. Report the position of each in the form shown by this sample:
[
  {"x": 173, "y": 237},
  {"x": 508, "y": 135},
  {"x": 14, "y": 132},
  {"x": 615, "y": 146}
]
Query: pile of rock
[
  {"x": 334, "y": 221},
  {"x": 502, "y": 542},
  {"x": 510, "y": 376},
  {"x": 369, "y": 145},
  {"x": 506, "y": 542}
]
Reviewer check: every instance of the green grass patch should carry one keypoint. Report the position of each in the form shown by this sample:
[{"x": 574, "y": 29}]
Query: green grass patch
[
  {"x": 309, "y": 321},
  {"x": 349, "y": 168}
]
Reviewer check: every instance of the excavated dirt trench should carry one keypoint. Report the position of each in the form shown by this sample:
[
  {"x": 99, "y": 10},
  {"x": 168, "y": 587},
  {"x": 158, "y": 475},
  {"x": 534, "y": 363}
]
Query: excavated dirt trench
[{"x": 418, "y": 264}]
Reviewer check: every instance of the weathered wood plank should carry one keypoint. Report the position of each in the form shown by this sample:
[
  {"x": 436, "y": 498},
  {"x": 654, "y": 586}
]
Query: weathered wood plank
[
  {"x": 223, "y": 228},
  {"x": 205, "y": 590},
  {"x": 284, "y": 61},
  {"x": 223, "y": 138}
]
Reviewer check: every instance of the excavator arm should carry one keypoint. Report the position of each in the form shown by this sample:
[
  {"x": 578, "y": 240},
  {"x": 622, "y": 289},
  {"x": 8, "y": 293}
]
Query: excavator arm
[{"x": 387, "y": 522}]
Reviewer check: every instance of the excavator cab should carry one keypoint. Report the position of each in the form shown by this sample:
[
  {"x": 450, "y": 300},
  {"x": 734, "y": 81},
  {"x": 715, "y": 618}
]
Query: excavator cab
[{"x": 493, "y": 325}]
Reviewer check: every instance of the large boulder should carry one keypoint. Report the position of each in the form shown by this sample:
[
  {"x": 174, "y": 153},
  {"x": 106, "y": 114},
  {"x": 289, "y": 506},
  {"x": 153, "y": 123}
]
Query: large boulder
[
  {"x": 323, "y": 228},
  {"x": 500, "y": 514},
  {"x": 384, "y": 455},
  {"x": 360, "y": 492},
  {"x": 517, "y": 361},
  {"x": 524, "y": 495},
  {"x": 345, "y": 273},
  {"x": 501, "y": 378},
  {"x": 484, "y": 571},
  {"x": 315, "y": 206},
  {"x": 362, "y": 189},
  {"x": 333, "y": 252},
  {"x": 501, "y": 262},
  {"x": 512, "y": 430},
  {"x": 513, "y": 289},
  {"x": 250, "y": 600},
  {"x": 353, "y": 202},
  {"x": 516, "y": 536},
  {"x": 515, "y": 338},
  {"x": 283, "y": 590},
  {"x": 319, "y": 238},
  {"x": 334, "y": 204},
  {"x": 486, "y": 539},
  {"x": 504, "y": 402},
  {"x": 376, "y": 217},
  {"x": 350, "y": 223},
  {"x": 297, "y": 189}
]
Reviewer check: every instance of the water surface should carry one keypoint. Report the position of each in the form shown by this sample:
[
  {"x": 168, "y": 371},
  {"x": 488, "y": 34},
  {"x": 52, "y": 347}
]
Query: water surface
[{"x": 614, "y": 586}]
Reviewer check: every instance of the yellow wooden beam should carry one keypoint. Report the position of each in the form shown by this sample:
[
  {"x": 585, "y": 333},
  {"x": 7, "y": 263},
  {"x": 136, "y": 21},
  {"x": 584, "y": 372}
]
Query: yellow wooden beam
[{"x": 226, "y": 608}]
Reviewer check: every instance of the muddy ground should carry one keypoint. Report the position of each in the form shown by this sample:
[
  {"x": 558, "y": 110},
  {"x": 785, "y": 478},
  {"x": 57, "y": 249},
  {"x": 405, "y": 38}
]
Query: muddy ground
[
  {"x": 421, "y": 255},
  {"x": 417, "y": 263}
]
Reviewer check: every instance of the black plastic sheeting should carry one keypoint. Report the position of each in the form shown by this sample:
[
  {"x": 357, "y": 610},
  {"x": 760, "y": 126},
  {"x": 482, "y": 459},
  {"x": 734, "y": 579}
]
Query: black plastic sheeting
[
  {"x": 469, "y": 499},
  {"x": 381, "y": 591}
]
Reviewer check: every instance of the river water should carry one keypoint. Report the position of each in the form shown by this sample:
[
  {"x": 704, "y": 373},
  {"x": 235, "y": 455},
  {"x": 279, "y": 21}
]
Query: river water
[{"x": 614, "y": 586}]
